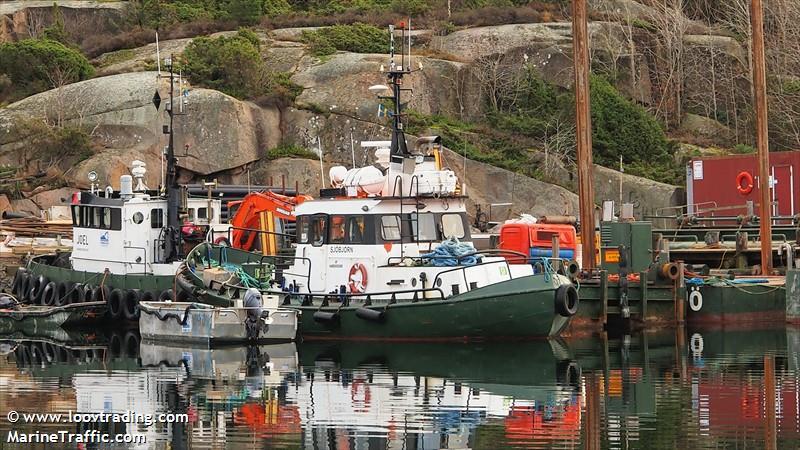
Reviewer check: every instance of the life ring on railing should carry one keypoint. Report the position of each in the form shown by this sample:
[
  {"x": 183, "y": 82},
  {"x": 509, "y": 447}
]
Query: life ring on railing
[
  {"x": 744, "y": 182},
  {"x": 222, "y": 240},
  {"x": 695, "y": 301},
  {"x": 357, "y": 279}
]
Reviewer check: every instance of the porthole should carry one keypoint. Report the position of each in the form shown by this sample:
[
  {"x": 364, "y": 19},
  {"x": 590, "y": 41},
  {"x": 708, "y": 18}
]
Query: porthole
[{"x": 138, "y": 218}]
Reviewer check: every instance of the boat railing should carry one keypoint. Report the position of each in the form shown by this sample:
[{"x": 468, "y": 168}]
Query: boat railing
[
  {"x": 398, "y": 181},
  {"x": 345, "y": 298}
]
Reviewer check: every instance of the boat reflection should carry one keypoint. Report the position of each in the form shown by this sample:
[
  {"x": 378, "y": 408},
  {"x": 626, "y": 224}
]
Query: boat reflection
[{"x": 693, "y": 389}]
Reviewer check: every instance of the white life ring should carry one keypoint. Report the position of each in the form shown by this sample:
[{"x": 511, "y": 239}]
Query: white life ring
[
  {"x": 696, "y": 343},
  {"x": 357, "y": 279},
  {"x": 695, "y": 301}
]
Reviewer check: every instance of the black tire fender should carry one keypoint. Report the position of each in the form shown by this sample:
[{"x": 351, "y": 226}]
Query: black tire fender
[
  {"x": 566, "y": 300},
  {"x": 130, "y": 308},
  {"x": 116, "y": 302},
  {"x": 64, "y": 293},
  {"x": 166, "y": 296},
  {"x": 50, "y": 294}
]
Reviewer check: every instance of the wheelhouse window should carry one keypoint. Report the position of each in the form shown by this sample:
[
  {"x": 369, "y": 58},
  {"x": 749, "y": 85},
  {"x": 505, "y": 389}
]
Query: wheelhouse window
[
  {"x": 453, "y": 226},
  {"x": 318, "y": 230},
  {"x": 156, "y": 218},
  {"x": 98, "y": 217},
  {"x": 355, "y": 230},
  {"x": 303, "y": 236},
  {"x": 202, "y": 213},
  {"x": 390, "y": 228},
  {"x": 337, "y": 235},
  {"x": 423, "y": 227}
]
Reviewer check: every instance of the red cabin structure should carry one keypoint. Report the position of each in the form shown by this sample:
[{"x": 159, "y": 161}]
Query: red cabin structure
[
  {"x": 536, "y": 240},
  {"x": 730, "y": 181}
]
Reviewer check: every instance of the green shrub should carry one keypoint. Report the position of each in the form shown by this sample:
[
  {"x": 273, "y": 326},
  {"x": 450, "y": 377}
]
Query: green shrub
[
  {"x": 232, "y": 65},
  {"x": 287, "y": 150},
  {"x": 244, "y": 11},
  {"x": 622, "y": 128},
  {"x": 274, "y": 8},
  {"x": 35, "y": 65},
  {"x": 743, "y": 149},
  {"x": 358, "y": 38}
]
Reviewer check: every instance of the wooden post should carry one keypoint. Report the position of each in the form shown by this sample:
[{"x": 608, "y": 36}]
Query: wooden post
[
  {"x": 762, "y": 136},
  {"x": 583, "y": 131}
]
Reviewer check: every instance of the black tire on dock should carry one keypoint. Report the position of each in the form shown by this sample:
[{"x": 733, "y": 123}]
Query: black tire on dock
[
  {"x": 33, "y": 289},
  {"x": 23, "y": 286},
  {"x": 166, "y": 296},
  {"x": 63, "y": 292},
  {"x": 101, "y": 294},
  {"x": 132, "y": 341},
  {"x": 76, "y": 296},
  {"x": 115, "y": 303},
  {"x": 86, "y": 293},
  {"x": 42, "y": 282},
  {"x": 130, "y": 308},
  {"x": 50, "y": 294}
]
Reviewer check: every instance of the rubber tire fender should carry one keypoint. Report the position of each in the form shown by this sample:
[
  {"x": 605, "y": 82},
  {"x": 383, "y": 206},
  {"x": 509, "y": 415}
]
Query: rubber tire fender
[
  {"x": 148, "y": 296},
  {"x": 50, "y": 294},
  {"x": 566, "y": 300},
  {"x": 116, "y": 303},
  {"x": 23, "y": 286},
  {"x": 86, "y": 293},
  {"x": 76, "y": 296},
  {"x": 166, "y": 296},
  {"x": 17, "y": 280},
  {"x": 130, "y": 307},
  {"x": 64, "y": 293},
  {"x": 34, "y": 289},
  {"x": 101, "y": 293}
]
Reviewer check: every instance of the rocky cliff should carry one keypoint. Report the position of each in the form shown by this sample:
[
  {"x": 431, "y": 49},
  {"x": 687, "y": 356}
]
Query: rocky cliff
[{"x": 228, "y": 139}]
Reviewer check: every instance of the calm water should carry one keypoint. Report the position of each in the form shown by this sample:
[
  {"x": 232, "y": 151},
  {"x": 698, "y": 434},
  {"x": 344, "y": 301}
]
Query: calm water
[{"x": 698, "y": 389}]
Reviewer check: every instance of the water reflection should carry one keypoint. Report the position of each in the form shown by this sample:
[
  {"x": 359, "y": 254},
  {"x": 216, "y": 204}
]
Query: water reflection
[{"x": 672, "y": 389}]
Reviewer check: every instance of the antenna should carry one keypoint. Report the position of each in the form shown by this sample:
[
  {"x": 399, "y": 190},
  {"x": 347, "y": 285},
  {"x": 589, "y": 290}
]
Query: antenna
[{"x": 158, "y": 55}]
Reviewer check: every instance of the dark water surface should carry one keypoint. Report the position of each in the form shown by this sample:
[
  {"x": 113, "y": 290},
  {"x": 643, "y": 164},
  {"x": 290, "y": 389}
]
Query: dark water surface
[{"x": 674, "y": 389}]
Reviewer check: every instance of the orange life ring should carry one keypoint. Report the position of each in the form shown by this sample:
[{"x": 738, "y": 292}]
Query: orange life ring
[
  {"x": 744, "y": 182},
  {"x": 357, "y": 280}
]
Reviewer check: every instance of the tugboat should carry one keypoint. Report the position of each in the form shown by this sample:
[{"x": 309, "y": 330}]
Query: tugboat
[
  {"x": 127, "y": 244},
  {"x": 386, "y": 253}
]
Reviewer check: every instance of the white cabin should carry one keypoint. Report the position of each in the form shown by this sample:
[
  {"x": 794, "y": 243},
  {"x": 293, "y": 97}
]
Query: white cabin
[{"x": 125, "y": 233}]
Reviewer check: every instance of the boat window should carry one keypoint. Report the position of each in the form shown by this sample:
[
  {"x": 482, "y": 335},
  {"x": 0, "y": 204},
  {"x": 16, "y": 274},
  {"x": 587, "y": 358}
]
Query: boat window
[
  {"x": 390, "y": 228},
  {"x": 302, "y": 230},
  {"x": 190, "y": 214},
  {"x": 452, "y": 226},
  {"x": 423, "y": 226},
  {"x": 156, "y": 218},
  {"x": 355, "y": 229},
  {"x": 337, "y": 230},
  {"x": 116, "y": 219},
  {"x": 97, "y": 217},
  {"x": 106, "y": 219},
  {"x": 86, "y": 216},
  {"x": 317, "y": 230},
  {"x": 76, "y": 215},
  {"x": 202, "y": 213}
]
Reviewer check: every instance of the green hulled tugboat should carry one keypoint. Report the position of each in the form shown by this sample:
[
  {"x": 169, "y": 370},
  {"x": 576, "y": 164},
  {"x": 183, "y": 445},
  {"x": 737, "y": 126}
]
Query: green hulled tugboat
[{"x": 386, "y": 253}]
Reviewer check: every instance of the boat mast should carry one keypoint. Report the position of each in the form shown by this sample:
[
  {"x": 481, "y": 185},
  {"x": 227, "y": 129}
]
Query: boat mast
[
  {"x": 762, "y": 133},
  {"x": 399, "y": 147},
  {"x": 583, "y": 129},
  {"x": 173, "y": 231}
]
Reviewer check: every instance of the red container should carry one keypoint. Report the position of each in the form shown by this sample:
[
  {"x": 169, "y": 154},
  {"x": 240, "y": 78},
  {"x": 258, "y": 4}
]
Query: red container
[
  {"x": 521, "y": 237},
  {"x": 730, "y": 181}
]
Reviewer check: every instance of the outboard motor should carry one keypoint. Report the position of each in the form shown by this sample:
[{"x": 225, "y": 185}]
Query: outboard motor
[{"x": 252, "y": 301}]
